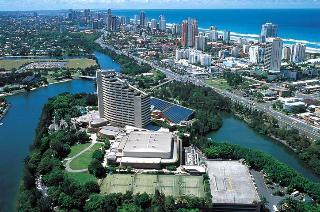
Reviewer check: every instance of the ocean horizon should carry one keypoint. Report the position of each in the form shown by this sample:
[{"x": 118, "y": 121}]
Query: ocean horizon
[{"x": 294, "y": 25}]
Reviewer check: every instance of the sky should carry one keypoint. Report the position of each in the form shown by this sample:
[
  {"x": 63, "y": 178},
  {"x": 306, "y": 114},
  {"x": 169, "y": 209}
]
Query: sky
[{"x": 13, "y": 5}]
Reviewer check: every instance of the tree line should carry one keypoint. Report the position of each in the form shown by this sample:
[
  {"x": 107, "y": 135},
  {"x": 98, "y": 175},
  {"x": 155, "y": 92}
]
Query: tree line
[
  {"x": 276, "y": 171},
  {"x": 45, "y": 160},
  {"x": 204, "y": 99},
  {"x": 306, "y": 149}
]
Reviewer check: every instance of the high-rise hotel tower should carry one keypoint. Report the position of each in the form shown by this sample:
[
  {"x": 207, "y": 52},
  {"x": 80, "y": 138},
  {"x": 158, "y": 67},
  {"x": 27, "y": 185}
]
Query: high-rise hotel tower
[{"x": 120, "y": 103}]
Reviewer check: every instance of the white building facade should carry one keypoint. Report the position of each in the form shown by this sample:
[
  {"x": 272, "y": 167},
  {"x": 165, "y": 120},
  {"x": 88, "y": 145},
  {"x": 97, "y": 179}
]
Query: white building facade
[
  {"x": 121, "y": 104},
  {"x": 273, "y": 54}
]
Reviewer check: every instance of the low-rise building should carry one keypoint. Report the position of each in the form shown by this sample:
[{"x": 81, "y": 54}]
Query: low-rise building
[
  {"x": 290, "y": 103},
  {"x": 145, "y": 149}
]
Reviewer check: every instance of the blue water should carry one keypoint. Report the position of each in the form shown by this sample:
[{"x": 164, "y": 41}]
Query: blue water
[
  {"x": 300, "y": 25},
  {"x": 106, "y": 62},
  {"x": 17, "y": 133},
  {"x": 235, "y": 131}
]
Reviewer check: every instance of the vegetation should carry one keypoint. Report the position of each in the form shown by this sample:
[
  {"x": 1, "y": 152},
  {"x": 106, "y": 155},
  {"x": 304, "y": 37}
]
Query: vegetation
[
  {"x": 82, "y": 63},
  {"x": 266, "y": 125},
  {"x": 45, "y": 159},
  {"x": 294, "y": 205},
  {"x": 77, "y": 148},
  {"x": 233, "y": 79},
  {"x": 82, "y": 178},
  {"x": 149, "y": 81},
  {"x": 219, "y": 83},
  {"x": 128, "y": 66},
  {"x": 79, "y": 191},
  {"x": 83, "y": 160},
  {"x": 204, "y": 101},
  {"x": 8, "y": 65},
  {"x": 142, "y": 202},
  {"x": 275, "y": 170}
]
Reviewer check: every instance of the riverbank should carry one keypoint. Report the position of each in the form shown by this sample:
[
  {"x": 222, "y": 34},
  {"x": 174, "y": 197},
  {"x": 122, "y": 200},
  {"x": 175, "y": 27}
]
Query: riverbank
[
  {"x": 242, "y": 118},
  {"x": 24, "y": 90},
  {"x": 283, "y": 142},
  {"x": 18, "y": 132},
  {"x": 5, "y": 112},
  {"x": 237, "y": 131}
]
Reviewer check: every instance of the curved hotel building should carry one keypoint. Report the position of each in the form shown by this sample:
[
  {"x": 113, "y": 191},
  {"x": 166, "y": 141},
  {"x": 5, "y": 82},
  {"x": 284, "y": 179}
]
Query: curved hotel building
[{"x": 120, "y": 103}]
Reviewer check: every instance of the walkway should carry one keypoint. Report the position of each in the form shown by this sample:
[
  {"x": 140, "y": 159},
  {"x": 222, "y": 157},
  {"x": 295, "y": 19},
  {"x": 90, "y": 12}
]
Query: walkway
[
  {"x": 69, "y": 160},
  {"x": 265, "y": 192}
]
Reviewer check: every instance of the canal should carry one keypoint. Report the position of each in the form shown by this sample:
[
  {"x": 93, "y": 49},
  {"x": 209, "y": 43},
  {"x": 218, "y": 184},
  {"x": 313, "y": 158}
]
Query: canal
[
  {"x": 17, "y": 133},
  {"x": 19, "y": 124},
  {"x": 236, "y": 131}
]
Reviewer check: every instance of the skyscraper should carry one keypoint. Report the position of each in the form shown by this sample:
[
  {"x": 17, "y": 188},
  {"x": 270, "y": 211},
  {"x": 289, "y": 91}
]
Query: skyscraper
[
  {"x": 256, "y": 54},
  {"x": 184, "y": 33},
  {"x": 176, "y": 29},
  {"x": 201, "y": 42},
  {"x": 142, "y": 19},
  {"x": 226, "y": 36},
  {"x": 154, "y": 24},
  {"x": 273, "y": 54},
  {"x": 269, "y": 30},
  {"x": 286, "y": 53},
  {"x": 213, "y": 35},
  {"x": 120, "y": 103},
  {"x": 298, "y": 53},
  {"x": 194, "y": 32},
  {"x": 109, "y": 20},
  {"x": 189, "y": 32},
  {"x": 162, "y": 23}
]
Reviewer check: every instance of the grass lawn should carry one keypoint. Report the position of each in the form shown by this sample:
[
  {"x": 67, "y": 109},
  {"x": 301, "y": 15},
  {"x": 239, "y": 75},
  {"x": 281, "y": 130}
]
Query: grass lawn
[
  {"x": 77, "y": 148},
  {"x": 168, "y": 184},
  {"x": 81, "y": 177},
  {"x": 13, "y": 64},
  {"x": 80, "y": 63},
  {"x": 219, "y": 83},
  {"x": 84, "y": 159}
]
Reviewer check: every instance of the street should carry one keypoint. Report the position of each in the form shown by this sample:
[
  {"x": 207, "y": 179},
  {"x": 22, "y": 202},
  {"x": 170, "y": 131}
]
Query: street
[{"x": 311, "y": 131}]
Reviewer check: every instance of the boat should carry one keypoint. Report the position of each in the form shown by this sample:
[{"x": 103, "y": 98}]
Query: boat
[{"x": 1, "y": 124}]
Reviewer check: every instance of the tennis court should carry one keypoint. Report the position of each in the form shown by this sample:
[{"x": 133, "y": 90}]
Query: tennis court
[{"x": 172, "y": 185}]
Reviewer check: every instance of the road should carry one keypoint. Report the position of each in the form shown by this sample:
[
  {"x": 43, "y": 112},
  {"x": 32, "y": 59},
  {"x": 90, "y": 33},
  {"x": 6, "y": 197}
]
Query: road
[
  {"x": 264, "y": 191},
  {"x": 311, "y": 131}
]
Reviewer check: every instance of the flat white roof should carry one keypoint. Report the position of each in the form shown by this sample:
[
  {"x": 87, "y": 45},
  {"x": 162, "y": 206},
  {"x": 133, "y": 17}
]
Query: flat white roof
[
  {"x": 139, "y": 160},
  {"x": 231, "y": 182},
  {"x": 156, "y": 142}
]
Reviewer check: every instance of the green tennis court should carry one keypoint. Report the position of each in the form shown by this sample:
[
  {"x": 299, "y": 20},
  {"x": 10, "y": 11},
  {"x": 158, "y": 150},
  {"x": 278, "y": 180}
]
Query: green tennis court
[{"x": 173, "y": 185}]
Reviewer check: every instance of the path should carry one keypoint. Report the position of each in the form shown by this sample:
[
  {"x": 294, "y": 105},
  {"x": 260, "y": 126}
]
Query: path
[
  {"x": 264, "y": 191},
  {"x": 69, "y": 160}
]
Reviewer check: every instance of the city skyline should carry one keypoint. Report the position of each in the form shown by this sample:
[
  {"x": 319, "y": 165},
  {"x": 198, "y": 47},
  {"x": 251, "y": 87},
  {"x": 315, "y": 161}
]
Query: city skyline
[{"x": 15, "y": 5}]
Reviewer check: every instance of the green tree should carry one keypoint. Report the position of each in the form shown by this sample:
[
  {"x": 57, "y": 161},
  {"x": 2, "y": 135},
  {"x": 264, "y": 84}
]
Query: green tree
[
  {"x": 142, "y": 200},
  {"x": 95, "y": 168},
  {"x": 96, "y": 202},
  {"x": 129, "y": 207}
]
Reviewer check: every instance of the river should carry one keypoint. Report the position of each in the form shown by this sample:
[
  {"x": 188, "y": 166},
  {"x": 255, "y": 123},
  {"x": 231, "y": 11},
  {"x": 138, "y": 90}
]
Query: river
[
  {"x": 17, "y": 133},
  {"x": 236, "y": 131}
]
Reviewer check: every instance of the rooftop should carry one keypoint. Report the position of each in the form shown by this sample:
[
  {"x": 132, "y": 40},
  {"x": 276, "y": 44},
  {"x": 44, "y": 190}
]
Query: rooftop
[
  {"x": 230, "y": 182},
  {"x": 175, "y": 113},
  {"x": 147, "y": 144}
]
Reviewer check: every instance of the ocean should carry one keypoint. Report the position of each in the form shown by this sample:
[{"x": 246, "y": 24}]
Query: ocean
[{"x": 294, "y": 25}]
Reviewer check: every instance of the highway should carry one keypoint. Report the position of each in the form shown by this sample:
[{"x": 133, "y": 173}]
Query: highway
[{"x": 311, "y": 131}]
